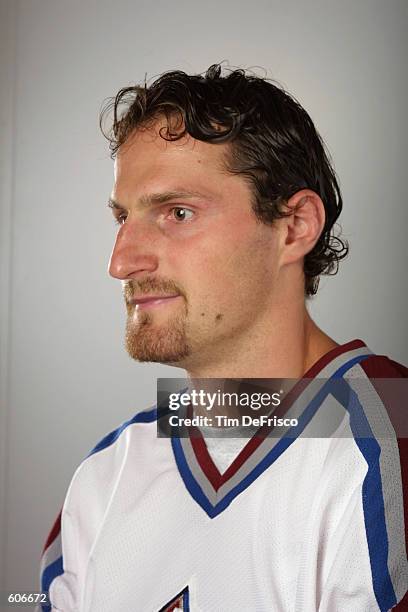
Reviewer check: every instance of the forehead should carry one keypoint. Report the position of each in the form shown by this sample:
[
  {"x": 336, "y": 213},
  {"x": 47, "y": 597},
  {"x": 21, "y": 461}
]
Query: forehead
[{"x": 146, "y": 153}]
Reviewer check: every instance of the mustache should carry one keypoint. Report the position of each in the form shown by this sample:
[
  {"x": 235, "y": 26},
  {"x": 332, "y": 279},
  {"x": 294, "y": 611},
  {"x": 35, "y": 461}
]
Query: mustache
[{"x": 150, "y": 286}]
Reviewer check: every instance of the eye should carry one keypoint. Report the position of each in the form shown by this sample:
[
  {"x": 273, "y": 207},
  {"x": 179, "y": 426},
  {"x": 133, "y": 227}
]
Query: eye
[
  {"x": 120, "y": 219},
  {"x": 179, "y": 213}
]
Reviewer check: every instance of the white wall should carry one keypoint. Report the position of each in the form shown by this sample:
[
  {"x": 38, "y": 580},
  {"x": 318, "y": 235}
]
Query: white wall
[{"x": 66, "y": 378}]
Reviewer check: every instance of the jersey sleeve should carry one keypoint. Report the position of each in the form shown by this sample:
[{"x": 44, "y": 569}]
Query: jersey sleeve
[
  {"x": 51, "y": 561},
  {"x": 368, "y": 570},
  {"x": 348, "y": 584},
  {"x": 58, "y": 577},
  {"x": 66, "y": 552},
  {"x": 361, "y": 561},
  {"x": 376, "y": 368}
]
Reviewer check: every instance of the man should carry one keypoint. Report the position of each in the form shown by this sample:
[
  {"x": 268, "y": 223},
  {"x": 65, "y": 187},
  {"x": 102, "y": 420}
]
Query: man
[{"x": 226, "y": 201}]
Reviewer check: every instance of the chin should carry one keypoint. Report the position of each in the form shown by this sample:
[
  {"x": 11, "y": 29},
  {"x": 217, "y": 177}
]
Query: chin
[{"x": 167, "y": 346}]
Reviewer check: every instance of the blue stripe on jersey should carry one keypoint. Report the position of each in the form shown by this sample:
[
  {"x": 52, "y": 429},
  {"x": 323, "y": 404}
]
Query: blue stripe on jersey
[
  {"x": 141, "y": 417},
  {"x": 188, "y": 478},
  {"x": 291, "y": 435},
  {"x": 349, "y": 364},
  {"x": 52, "y": 571},
  {"x": 186, "y": 601},
  {"x": 373, "y": 504},
  {"x": 376, "y": 530}
]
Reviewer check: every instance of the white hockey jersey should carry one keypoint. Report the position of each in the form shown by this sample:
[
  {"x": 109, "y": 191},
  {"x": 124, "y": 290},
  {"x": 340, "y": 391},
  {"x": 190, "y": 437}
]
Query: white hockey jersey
[{"x": 295, "y": 524}]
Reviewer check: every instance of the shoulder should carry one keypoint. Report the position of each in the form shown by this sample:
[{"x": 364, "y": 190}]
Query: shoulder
[
  {"x": 145, "y": 417},
  {"x": 381, "y": 386},
  {"x": 88, "y": 496},
  {"x": 98, "y": 473},
  {"x": 98, "y": 470},
  {"x": 381, "y": 366}
]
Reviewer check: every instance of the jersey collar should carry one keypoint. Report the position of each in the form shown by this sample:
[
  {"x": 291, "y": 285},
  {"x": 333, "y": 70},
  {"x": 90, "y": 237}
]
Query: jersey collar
[{"x": 214, "y": 491}]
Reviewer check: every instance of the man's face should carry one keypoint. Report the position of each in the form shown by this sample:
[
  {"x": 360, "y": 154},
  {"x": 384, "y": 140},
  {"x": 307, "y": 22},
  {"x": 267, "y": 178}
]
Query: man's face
[{"x": 188, "y": 231}]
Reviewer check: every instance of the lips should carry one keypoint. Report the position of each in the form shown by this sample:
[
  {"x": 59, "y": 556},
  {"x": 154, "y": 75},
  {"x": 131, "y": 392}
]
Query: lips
[
  {"x": 151, "y": 298},
  {"x": 148, "y": 301}
]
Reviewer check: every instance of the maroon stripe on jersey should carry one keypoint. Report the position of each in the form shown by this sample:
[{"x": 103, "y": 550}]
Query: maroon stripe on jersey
[
  {"x": 204, "y": 459},
  {"x": 328, "y": 357},
  {"x": 54, "y": 532},
  {"x": 379, "y": 366}
]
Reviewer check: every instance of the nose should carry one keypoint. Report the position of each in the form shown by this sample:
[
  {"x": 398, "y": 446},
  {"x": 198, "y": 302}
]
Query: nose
[{"x": 132, "y": 256}]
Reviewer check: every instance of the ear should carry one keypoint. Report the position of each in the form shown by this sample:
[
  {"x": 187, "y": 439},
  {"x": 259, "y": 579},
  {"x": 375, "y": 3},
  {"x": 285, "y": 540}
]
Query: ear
[{"x": 303, "y": 226}]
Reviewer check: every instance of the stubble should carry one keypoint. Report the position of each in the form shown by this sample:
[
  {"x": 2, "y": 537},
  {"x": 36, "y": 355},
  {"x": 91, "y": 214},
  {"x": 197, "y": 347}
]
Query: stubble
[{"x": 151, "y": 336}]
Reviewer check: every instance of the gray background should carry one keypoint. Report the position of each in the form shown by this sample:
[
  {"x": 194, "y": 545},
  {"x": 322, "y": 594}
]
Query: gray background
[{"x": 66, "y": 379}]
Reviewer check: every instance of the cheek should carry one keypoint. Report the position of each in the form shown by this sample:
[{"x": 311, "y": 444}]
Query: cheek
[
  {"x": 244, "y": 263},
  {"x": 222, "y": 272},
  {"x": 230, "y": 278}
]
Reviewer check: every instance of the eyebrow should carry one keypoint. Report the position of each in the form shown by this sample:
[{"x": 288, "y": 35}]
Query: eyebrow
[{"x": 160, "y": 198}]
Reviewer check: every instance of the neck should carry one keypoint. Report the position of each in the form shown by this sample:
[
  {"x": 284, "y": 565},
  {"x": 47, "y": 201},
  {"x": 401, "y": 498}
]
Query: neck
[{"x": 283, "y": 348}]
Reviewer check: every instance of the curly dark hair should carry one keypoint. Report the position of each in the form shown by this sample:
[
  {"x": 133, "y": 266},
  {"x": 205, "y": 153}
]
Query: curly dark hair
[{"x": 274, "y": 144}]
